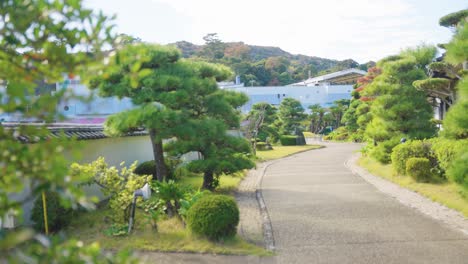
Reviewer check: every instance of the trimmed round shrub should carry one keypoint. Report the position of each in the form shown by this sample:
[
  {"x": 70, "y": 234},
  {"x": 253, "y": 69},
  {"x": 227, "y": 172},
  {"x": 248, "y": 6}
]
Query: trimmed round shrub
[
  {"x": 419, "y": 169},
  {"x": 411, "y": 149},
  {"x": 288, "y": 140},
  {"x": 214, "y": 216},
  {"x": 458, "y": 171},
  {"x": 58, "y": 217}
]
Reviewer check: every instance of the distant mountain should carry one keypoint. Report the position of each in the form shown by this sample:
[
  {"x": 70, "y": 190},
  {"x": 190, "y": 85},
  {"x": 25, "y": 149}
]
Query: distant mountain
[{"x": 264, "y": 65}]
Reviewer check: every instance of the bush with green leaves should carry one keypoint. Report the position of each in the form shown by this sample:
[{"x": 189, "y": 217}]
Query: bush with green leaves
[
  {"x": 214, "y": 216},
  {"x": 419, "y": 169},
  {"x": 263, "y": 146},
  {"x": 190, "y": 198},
  {"x": 447, "y": 150},
  {"x": 58, "y": 217},
  {"x": 287, "y": 140},
  {"x": 412, "y": 149},
  {"x": 339, "y": 134},
  {"x": 119, "y": 186},
  {"x": 170, "y": 193},
  {"x": 383, "y": 150},
  {"x": 149, "y": 168},
  {"x": 458, "y": 171}
]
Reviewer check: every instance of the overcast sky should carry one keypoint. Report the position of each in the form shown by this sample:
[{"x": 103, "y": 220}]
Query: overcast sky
[{"x": 362, "y": 30}]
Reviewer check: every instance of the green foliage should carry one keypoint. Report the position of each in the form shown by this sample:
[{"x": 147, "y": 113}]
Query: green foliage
[
  {"x": 287, "y": 140},
  {"x": 447, "y": 150},
  {"x": 189, "y": 199},
  {"x": 149, "y": 168},
  {"x": 117, "y": 230},
  {"x": 60, "y": 250},
  {"x": 119, "y": 186},
  {"x": 57, "y": 215},
  {"x": 382, "y": 151},
  {"x": 170, "y": 193},
  {"x": 340, "y": 134},
  {"x": 214, "y": 216},
  {"x": 40, "y": 41},
  {"x": 263, "y": 146},
  {"x": 457, "y": 49},
  {"x": 399, "y": 110},
  {"x": 456, "y": 122},
  {"x": 453, "y": 19},
  {"x": 290, "y": 114},
  {"x": 413, "y": 149},
  {"x": 419, "y": 169},
  {"x": 458, "y": 171},
  {"x": 163, "y": 87}
]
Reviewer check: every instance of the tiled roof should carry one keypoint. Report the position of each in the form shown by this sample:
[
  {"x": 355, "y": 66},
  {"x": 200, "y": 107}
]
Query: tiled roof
[{"x": 80, "y": 132}]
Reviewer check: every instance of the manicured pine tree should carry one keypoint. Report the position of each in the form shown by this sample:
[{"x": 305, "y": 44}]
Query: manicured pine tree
[
  {"x": 166, "y": 90},
  {"x": 398, "y": 109},
  {"x": 290, "y": 115}
]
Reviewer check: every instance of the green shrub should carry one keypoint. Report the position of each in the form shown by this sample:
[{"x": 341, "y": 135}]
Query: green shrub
[
  {"x": 149, "y": 168},
  {"x": 190, "y": 198},
  {"x": 419, "y": 169},
  {"x": 214, "y": 216},
  {"x": 288, "y": 140},
  {"x": 458, "y": 171},
  {"x": 412, "y": 149},
  {"x": 263, "y": 146},
  {"x": 340, "y": 134},
  {"x": 170, "y": 193},
  {"x": 58, "y": 216},
  {"x": 118, "y": 185},
  {"x": 382, "y": 151},
  {"x": 446, "y": 150}
]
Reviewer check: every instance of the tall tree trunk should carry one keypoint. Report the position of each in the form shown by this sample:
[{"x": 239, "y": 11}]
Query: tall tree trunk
[
  {"x": 208, "y": 180},
  {"x": 158, "y": 153}
]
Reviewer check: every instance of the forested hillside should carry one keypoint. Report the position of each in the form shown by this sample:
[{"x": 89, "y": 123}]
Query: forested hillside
[{"x": 262, "y": 65}]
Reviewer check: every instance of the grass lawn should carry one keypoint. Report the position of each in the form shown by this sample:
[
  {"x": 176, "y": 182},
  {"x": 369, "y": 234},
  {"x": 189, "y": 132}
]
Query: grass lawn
[
  {"x": 170, "y": 237},
  {"x": 446, "y": 193},
  {"x": 283, "y": 151},
  {"x": 227, "y": 183}
]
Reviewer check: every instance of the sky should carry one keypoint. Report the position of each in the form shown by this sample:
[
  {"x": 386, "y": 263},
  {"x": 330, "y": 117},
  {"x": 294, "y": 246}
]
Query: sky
[{"x": 362, "y": 30}]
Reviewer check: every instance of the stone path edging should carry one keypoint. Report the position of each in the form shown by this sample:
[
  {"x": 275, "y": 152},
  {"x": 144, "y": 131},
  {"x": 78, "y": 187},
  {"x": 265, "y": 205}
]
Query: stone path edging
[
  {"x": 267, "y": 227},
  {"x": 410, "y": 198}
]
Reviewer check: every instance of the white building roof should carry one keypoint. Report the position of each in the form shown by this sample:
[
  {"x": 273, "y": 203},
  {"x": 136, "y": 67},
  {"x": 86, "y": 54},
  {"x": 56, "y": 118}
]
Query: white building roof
[{"x": 338, "y": 77}]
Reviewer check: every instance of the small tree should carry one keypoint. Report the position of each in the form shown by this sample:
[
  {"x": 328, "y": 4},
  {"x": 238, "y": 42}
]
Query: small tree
[
  {"x": 165, "y": 89},
  {"x": 290, "y": 114},
  {"x": 260, "y": 117},
  {"x": 316, "y": 118}
]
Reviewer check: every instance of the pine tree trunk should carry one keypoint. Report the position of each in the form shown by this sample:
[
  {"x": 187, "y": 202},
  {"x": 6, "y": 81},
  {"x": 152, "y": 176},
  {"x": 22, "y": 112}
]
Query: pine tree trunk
[
  {"x": 208, "y": 181},
  {"x": 161, "y": 170}
]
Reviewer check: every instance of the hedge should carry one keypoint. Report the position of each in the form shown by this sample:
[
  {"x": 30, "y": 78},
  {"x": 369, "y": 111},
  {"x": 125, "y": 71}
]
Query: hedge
[{"x": 288, "y": 140}]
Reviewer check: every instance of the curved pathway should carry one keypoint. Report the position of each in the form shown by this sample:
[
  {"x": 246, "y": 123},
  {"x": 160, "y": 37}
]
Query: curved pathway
[{"x": 322, "y": 213}]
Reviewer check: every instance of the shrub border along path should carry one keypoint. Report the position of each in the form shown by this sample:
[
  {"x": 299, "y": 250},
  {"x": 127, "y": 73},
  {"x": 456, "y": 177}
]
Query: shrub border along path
[{"x": 409, "y": 198}]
